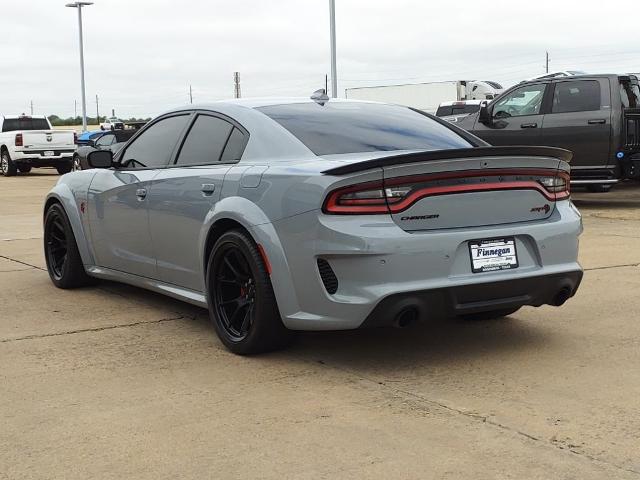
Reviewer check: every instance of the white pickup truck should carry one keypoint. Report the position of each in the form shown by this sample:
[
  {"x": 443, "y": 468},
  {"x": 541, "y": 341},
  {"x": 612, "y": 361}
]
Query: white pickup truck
[{"x": 29, "y": 141}]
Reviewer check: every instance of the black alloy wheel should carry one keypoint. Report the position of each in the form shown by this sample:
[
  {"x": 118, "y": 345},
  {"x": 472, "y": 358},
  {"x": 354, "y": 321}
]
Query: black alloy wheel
[
  {"x": 235, "y": 293},
  {"x": 242, "y": 304},
  {"x": 61, "y": 254},
  {"x": 56, "y": 249}
]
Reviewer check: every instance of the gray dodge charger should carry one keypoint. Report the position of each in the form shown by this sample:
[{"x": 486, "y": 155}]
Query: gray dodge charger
[{"x": 316, "y": 214}]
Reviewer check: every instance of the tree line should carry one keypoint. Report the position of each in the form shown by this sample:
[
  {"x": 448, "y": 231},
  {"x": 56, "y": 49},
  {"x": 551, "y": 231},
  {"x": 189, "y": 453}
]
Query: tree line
[{"x": 56, "y": 121}]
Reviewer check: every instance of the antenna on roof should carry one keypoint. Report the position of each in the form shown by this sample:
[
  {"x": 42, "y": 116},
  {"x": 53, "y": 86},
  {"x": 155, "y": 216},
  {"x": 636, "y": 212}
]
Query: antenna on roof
[{"x": 320, "y": 96}]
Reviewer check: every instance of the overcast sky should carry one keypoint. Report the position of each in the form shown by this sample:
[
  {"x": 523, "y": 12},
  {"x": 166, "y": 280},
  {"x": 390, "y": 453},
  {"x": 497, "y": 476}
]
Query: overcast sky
[{"x": 142, "y": 55}]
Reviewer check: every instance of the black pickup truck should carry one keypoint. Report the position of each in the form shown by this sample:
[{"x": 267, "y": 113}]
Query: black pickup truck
[{"x": 597, "y": 117}]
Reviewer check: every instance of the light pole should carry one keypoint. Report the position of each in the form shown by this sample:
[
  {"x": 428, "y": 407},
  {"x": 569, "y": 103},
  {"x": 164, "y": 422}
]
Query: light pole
[
  {"x": 79, "y": 6},
  {"x": 334, "y": 74}
]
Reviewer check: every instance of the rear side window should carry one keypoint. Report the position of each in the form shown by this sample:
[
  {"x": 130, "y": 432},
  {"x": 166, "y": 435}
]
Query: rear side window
[
  {"x": 235, "y": 146},
  {"x": 205, "y": 142},
  {"x": 444, "y": 111},
  {"x": 153, "y": 147},
  {"x": 352, "y": 127},
  {"x": 13, "y": 124},
  {"x": 578, "y": 96}
]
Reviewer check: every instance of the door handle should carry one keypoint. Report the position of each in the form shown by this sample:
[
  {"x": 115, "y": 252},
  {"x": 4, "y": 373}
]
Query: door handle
[
  {"x": 597, "y": 121},
  {"x": 208, "y": 188},
  {"x": 141, "y": 193},
  {"x": 529, "y": 125}
]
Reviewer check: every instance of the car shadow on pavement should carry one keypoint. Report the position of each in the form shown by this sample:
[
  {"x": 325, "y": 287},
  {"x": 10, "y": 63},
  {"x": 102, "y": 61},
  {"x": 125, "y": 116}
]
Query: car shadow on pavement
[{"x": 433, "y": 343}]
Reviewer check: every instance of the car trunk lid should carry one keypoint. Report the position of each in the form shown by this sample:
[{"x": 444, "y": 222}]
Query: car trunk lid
[{"x": 471, "y": 187}]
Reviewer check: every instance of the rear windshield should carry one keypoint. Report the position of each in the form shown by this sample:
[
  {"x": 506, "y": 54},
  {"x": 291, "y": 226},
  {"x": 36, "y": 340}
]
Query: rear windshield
[
  {"x": 350, "y": 127},
  {"x": 13, "y": 124}
]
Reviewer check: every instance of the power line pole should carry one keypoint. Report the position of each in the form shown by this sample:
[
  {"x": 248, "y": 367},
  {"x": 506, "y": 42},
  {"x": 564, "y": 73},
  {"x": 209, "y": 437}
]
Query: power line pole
[
  {"x": 547, "y": 62},
  {"x": 75, "y": 109},
  {"x": 334, "y": 73},
  {"x": 190, "y": 94},
  {"x": 31, "y": 104},
  {"x": 326, "y": 83},
  {"x": 97, "y": 113},
  {"x": 236, "y": 85}
]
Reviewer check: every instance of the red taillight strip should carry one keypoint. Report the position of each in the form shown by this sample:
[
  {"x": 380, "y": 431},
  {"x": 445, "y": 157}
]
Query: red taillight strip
[
  {"x": 413, "y": 197},
  {"x": 386, "y": 205}
]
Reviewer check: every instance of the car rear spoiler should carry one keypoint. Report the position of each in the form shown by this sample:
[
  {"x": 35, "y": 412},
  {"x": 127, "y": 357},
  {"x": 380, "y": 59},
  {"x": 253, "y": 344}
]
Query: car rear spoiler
[{"x": 476, "y": 152}]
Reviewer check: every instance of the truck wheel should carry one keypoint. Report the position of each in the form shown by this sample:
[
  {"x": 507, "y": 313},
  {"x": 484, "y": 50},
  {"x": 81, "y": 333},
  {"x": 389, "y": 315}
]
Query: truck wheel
[
  {"x": 76, "y": 166},
  {"x": 600, "y": 188},
  {"x": 64, "y": 263},
  {"x": 64, "y": 168},
  {"x": 24, "y": 168},
  {"x": 7, "y": 167}
]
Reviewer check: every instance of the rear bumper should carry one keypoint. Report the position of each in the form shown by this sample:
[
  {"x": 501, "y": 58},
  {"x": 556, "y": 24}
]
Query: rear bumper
[
  {"x": 378, "y": 267},
  {"x": 39, "y": 160},
  {"x": 447, "y": 302}
]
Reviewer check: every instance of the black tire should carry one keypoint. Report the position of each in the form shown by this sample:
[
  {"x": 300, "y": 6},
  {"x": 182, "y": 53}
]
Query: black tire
[
  {"x": 61, "y": 251},
  {"x": 599, "y": 188},
  {"x": 7, "y": 166},
  {"x": 491, "y": 315},
  {"x": 24, "y": 168},
  {"x": 63, "y": 168},
  {"x": 241, "y": 301}
]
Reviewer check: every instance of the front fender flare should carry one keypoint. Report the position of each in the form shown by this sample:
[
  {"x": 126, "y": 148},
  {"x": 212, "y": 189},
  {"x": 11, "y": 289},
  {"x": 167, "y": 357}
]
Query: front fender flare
[{"x": 62, "y": 194}]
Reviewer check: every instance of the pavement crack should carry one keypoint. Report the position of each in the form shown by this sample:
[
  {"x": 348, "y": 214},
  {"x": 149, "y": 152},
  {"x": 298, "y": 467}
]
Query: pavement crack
[
  {"x": 612, "y": 266},
  {"x": 22, "y": 263},
  {"x": 478, "y": 417},
  {"x": 96, "y": 329}
]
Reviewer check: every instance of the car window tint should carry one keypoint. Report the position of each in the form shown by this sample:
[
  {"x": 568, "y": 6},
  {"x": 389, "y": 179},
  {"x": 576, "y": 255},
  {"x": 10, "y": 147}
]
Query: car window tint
[
  {"x": 351, "y": 127},
  {"x": 105, "y": 140},
  {"x": 520, "y": 102},
  {"x": 578, "y": 96},
  {"x": 205, "y": 141},
  {"x": 24, "y": 123},
  {"x": 235, "y": 146},
  {"x": 154, "y": 146},
  {"x": 444, "y": 111}
]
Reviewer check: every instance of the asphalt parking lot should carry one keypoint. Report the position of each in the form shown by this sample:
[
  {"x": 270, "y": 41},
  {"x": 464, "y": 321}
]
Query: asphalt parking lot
[{"x": 116, "y": 382}]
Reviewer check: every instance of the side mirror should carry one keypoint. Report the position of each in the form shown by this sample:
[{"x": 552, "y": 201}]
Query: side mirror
[
  {"x": 100, "y": 159},
  {"x": 91, "y": 143},
  {"x": 485, "y": 113}
]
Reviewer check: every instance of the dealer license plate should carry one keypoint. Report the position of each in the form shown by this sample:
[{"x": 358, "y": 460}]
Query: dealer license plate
[
  {"x": 493, "y": 254},
  {"x": 49, "y": 153}
]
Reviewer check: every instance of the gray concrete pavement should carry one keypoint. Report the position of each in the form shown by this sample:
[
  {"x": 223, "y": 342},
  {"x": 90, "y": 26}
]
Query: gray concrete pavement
[{"x": 115, "y": 382}]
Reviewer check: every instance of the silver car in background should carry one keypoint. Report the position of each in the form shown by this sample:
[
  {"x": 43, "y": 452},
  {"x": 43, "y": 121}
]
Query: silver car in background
[{"x": 299, "y": 214}]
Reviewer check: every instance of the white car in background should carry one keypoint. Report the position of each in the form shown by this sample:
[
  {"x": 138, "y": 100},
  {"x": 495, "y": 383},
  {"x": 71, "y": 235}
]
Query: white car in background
[{"x": 112, "y": 123}]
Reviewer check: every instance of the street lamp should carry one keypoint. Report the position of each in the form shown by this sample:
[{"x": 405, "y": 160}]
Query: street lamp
[
  {"x": 334, "y": 74},
  {"x": 79, "y": 6}
]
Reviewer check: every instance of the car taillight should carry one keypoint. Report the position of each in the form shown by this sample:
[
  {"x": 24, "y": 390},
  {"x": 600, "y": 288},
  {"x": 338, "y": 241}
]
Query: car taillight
[
  {"x": 18, "y": 140},
  {"x": 397, "y": 194},
  {"x": 75, "y": 138}
]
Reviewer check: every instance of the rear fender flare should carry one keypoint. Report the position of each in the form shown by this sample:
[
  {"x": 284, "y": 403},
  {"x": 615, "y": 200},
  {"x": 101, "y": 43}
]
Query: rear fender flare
[{"x": 255, "y": 221}]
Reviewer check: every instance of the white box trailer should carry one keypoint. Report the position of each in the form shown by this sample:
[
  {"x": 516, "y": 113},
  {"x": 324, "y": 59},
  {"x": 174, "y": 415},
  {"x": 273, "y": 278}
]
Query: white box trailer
[{"x": 427, "y": 96}]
